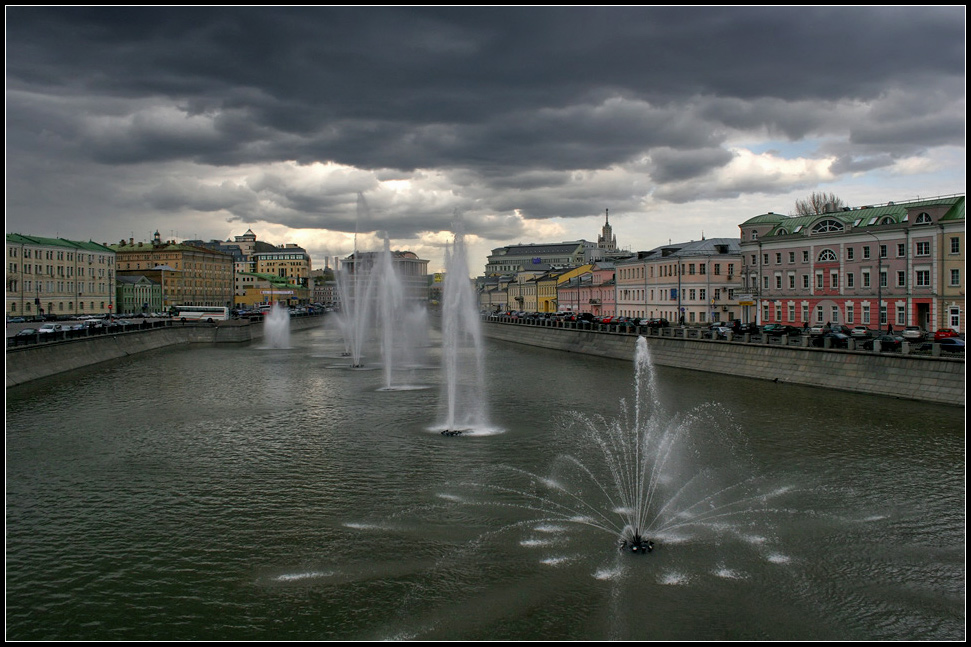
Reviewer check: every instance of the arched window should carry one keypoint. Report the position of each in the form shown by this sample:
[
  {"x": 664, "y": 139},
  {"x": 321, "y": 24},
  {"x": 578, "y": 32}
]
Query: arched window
[
  {"x": 826, "y": 256},
  {"x": 923, "y": 218},
  {"x": 827, "y": 227},
  {"x": 887, "y": 221}
]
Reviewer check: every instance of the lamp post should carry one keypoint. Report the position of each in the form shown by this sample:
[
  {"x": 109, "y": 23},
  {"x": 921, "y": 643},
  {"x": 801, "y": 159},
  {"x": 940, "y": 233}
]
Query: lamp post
[{"x": 879, "y": 281}]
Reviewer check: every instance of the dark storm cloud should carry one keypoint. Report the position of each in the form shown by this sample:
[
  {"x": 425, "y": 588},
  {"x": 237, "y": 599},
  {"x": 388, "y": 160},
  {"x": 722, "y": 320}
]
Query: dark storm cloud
[{"x": 504, "y": 104}]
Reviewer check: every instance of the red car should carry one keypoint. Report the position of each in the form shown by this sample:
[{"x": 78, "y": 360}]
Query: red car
[{"x": 944, "y": 333}]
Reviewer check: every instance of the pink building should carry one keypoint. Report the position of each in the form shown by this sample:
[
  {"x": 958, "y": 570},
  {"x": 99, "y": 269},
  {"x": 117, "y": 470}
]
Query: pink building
[
  {"x": 895, "y": 264},
  {"x": 593, "y": 291}
]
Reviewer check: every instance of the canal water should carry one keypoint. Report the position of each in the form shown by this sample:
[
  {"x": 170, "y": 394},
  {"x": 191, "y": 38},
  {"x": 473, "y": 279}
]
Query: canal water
[{"x": 233, "y": 492}]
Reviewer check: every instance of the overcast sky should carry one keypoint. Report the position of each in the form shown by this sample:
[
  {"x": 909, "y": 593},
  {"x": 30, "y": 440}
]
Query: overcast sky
[{"x": 526, "y": 123}]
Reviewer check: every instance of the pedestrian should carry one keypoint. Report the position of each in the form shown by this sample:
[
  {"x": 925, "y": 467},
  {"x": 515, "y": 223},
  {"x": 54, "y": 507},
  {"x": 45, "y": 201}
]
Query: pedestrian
[{"x": 889, "y": 328}]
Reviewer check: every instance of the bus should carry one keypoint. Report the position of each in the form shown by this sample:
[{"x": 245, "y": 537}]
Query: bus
[{"x": 201, "y": 313}]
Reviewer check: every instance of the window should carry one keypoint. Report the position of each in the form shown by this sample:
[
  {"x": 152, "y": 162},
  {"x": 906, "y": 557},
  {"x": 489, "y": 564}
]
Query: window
[
  {"x": 955, "y": 277},
  {"x": 792, "y": 257},
  {"x": 866, "y": 278},
  {"x": 826, "y": 256},
  {"x": 792, "y": 281},
  {"x": 866, "y": 251},
  {"x": 955, "y": 245},
  {"x": 901, "y": 316},
  {"x": 805, "y": 281},
  {"x": 805, "y": 256},
  {"x": 691, "y": 268},
  {"x": 883, "y": 315},
  {"x": 765, "y": 282},
  {"x": 778, "y": 312},
  {"x": 901, "y": 249},
  {"x": 849, "y": 313},
  {"x": 778, "y": 258},
  {"x": 923, "y": 248},
  {"x": 753, "y": 259},
  {"x": 792, "y": 312},
  {"x": 805, "y": 313},
  {"x": 901, "y": 279},
  {"x": 923, "y": 219},
  {"x": 836, "y": 315},
  {"x": 883, "y": 251},
  {"x": 819, "y": 280},
  {"x": 827, "y": 227},
  {"x": 834, "y": 280},
  {"x": 819, "y": 314},
  {"x": 701, "y": 294},
  {"x": 691, "y": 295},
  {"x": 755, "y": 234},
  {"x": 765, "y": 312},
  {"x": 866, "y": 313},
  {"x": 765, "y": 259},
  {"x": 850, "y": 283},
  {"x": 778, "y": 281},
  {"x": 849, "y": 253},
  {"x": 883, "y": 278},
  {"x": 923, "y": 278},
  {"x": 718, "y": 268}
]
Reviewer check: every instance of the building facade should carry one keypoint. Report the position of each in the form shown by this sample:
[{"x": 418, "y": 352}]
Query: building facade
[
  {"x": 56, "y": 276},
  {"x": 881, "y": 266},
  {"x": 136, "y": 294},
  {"x": 187, "y": 274},
  {"x": 696, "y": 282},
  {"x": 410, "y": 270}
]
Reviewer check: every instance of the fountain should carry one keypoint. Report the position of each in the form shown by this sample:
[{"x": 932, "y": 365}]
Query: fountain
[
  {"x": 375, "y": 302},
  {"x": 276, "y": 327},
  {"x": 464, "y": 394},
  {"x": 650, "y": 477}
]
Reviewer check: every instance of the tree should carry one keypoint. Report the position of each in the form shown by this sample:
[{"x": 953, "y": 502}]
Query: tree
[{"x": 818, "y": 203}]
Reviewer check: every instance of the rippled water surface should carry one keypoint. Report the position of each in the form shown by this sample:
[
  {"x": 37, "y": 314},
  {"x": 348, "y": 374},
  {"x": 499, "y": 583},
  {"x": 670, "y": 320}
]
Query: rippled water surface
[{"x": 234, "y": 492}]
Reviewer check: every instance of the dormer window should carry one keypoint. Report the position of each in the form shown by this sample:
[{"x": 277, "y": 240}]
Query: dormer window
[
  {"x": 923, "y": 219},
  {"x": 827, "y": 227}
]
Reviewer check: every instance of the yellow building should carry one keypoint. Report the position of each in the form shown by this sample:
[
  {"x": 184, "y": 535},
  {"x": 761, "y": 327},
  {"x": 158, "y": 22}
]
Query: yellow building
[
  {"x": 189, "y": 275},
  {"x": 254, "y": 289}
]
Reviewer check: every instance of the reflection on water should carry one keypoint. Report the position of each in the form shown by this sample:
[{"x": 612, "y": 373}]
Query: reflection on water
[{"x": 225, "y": 492}]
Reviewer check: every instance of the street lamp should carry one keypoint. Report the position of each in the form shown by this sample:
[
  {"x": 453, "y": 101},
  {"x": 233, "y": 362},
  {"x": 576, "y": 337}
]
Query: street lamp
[{"x": 879, "y": 280}]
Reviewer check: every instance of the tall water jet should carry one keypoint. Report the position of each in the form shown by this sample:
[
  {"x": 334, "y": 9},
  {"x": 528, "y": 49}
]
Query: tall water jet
[
  {"x": 389, "y": 292},
  {"x": 462, "y": 348},
  {"x": 356, "y": 295},
  {"x": 276, "y": 327}
]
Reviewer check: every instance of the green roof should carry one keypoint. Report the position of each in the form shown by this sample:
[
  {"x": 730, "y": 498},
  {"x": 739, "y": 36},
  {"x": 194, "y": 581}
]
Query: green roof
[{"x": 58, "y": 242}]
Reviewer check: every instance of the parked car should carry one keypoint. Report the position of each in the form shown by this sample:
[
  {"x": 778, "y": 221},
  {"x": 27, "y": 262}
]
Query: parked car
[
  {"x": 952, "y": 345},
  {"x": 947, "y": 344},
  {"x": 777, "y": 330},
  {"x": 11, "y": 320},
  {"x": 26, "y": 332},
  {"x": 836, "y": 340},
  {"x": 720, "y": 332},
  {"x": 887, "y": 342},
  {"x": 860, "y": 332},
  {"x": 740, "y": 328},
  {"x": 49, "y": 328},
  {"x": 656, "y": 322},
  {"x": 944, "y": 333},
  {"x": 912, "y": 333}
]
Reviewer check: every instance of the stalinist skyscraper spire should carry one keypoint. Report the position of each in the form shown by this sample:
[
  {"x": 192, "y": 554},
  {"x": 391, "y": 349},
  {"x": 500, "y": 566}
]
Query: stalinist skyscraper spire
[{"x": 606, "y": 240}]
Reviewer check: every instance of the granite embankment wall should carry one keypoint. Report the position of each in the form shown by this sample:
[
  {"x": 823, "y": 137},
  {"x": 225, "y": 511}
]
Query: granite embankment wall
[
  {"x": 931, "y": 379},
  {"x": 27, "y": 363}
]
